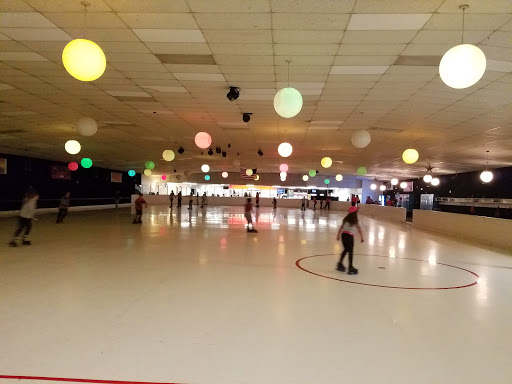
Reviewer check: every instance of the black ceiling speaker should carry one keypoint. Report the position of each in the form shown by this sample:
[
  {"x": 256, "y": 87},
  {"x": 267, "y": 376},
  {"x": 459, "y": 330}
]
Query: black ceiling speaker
[
  {"x": 224, "y": 154},
  {"x": 260, "y": 152},
  {"x": 233, "y": 94},
  {"x": 246, "y": 117},
  {"x": 181, "y": 150},
  {"x": 210, "y": 152},
  {"x": 218, "y": 150}
]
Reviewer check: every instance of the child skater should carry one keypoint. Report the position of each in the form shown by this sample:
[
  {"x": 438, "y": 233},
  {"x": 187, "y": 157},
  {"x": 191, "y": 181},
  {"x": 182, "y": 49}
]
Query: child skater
[
  {"x": 303, "y": 204},
  {"x": 191, "y": 200},
  {"x": 347, "y": 232},
  {"x": 274, "y": 203},
  {"x": 248, "y": 216},
  {"x": 25, "y": 217},
  {"x": 63, "y": 208},
  {"x": 138, "y": 209}
]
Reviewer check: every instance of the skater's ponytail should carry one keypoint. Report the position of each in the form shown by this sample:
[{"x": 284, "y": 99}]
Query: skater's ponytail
[{"x": 351, "y": 218}]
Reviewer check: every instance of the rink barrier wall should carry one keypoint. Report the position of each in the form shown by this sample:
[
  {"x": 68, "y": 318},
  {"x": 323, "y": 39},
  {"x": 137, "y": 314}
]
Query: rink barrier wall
[
  {"x": 375, "y": 211},
  {"x": 479, "y": 229},
  {"x": 42, "y": 211}
]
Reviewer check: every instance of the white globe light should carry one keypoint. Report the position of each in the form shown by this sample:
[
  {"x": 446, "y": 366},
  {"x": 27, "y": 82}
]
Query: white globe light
[
  {"x": 403, "y": 185},
  {"x": 205, "y": 168},
  {"x": 84, "y": 60},
  {"x": 486, "y": 176},
  {"x": 435, "y": 181},
  {"x": 382, "y": 187},
  {"x": 410, "y": 156},
  {"x": 427, "y": 178},
  {"x": 72, "y": 147},
  {"x": 87, "y": 126},
  {"x": 361, "y": 138},
  {"x": 305, "y": 177},
  {"x": 283, "y": 178},
  {"x": 285, "y": 149},
  {"x": 394, "y": 181},
  {"x": 249, "y": 172},
  {"x": 339, "y": 177},
  {"x": 168, "y": 155},
  {"x": 283, "y": 174},
  {"x": 225, "y": 175},
  {"x": 373, "y": 187},
  {"x": 462, "y": 66},
  {"x": 288, "y": 102}
]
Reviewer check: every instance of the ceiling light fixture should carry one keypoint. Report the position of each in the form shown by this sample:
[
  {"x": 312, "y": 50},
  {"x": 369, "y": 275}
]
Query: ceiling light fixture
[
  {"x": 339, "y": 177},
  {"x": 410, "y": 156},
  {"x": 361, "y": 138},
  {"x": 382, "y": 187},
  {"x": 487, "y": 176},
  {"x": 326, "y": 162},
  {"x": 288, "y": 101},
  {"x": 435, "y": 181},
  {"x": 203, "y": 140},
  {"x": 210, "y": 152},
  {"x": 285, "y": 149},
  {"x": 361, "y": 171},
  {"x": 72, "y": 147},
  {"x": 403, "y": 184},
  {"x": 463, "y": 65},
  {"x": 394, "y": 181},
  {"x": 168, "y": 155}
]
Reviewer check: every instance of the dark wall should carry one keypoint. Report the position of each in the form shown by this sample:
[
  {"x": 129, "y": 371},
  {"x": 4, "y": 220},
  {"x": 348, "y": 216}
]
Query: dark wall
[{"x": 87, "y": 186}]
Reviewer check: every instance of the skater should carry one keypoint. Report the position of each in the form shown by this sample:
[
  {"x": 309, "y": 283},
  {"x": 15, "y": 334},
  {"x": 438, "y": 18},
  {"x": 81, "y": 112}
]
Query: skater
[
  {"x": 303, "y": 204},
  {"x": 197, "y": 198},
  {"x": 138, "y": 208},
  {"x": 347, "y": 233},
  {"x": 274, "y": 203},
  {"x": 180, "y": 197},
  {"x": 27, "y": 212},
  {"x": 248, "y": 216},
  {"x": 63, "y": 207},
  {"x": 117, "y": 197},
  {"x": 257, "y": 199},
  {"x": 171, "y": 199},
  {"x": 190, "y": 200},
  {"x": 354, "y": 200},
  {"x": 314, "y": 203},
  {"x": 204, "y": 200},
  {"x": 321, "y": 204},
  {"x": 328, "y": 203}
]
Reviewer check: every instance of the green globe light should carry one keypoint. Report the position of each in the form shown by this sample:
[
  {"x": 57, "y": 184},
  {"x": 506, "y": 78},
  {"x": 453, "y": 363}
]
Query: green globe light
[
  {"x": 86, "y": 162},
  {"x": 150, "y": 165},
  {"x": 361, "y": 171},
  {"x": 327, "y": 181},
  {"x": 312, "y": 173}
]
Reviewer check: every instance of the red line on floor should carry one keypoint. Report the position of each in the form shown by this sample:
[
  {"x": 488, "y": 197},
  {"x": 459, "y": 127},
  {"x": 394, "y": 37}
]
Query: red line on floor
[
  {"x": 297, "y": 263},
  {"x": 79, "y": 380}
]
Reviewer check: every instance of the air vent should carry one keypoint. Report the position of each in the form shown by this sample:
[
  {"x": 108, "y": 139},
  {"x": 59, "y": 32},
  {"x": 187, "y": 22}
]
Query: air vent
[
  {"x": 186, "y": 59},
  {"x": 428, "y": 61},
  {"x": 12, "y": 131}
]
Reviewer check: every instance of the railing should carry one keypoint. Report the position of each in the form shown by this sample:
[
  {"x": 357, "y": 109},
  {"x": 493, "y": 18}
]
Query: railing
[{"x": 11, "y": 205}]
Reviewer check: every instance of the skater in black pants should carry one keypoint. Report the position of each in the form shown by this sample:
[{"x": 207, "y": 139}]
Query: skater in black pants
[
  {"x": 63, "y": 208},
  {"x": 346, "y": 233},
  {"x": 248, "y": 216},
  {"x": 303, "y": 204},
  {"x": 171, "y": 199},
  {"x": 180, "y": 196},
  {"x": 25, "y": 217},
  {"x": 190, "y": 200}
]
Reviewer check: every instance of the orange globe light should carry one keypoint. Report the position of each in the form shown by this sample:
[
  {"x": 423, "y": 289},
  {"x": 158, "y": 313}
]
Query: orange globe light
[{"x": 203, "y": 140}]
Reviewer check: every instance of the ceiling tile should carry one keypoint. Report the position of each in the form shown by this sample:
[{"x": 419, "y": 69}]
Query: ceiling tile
[
  {"x": 132, "y": 58},
  {"x": 200, "y": 76},
  {"x": 244, "y": 60},
  {"x": 304, "y": 60},
  {"x": 170, "y": 35},
  {"x": 426, "y": 49},
  {"x": 36, "y": 34},
  {"x": 164, "y": 89},
  {"x": 312, "y": 6},
  {"x": 77, "y": 20},
  {"x": 358, "y": 70},
  {"x": 235, "y": 6},
  {"x": 500, "y": 39},
  {"x": 371, "y": 49},
  {"x": 102, "y": 34},
  {"x": 15, "y": 6},
  {"x": 310, "y": 21},
  {"x": 248, "y": 69},
  {"x": 472, "y": 22},
  {"x": 488, "y": 6},
  {"x": 159, "y": 20},
  {"x": 139, "y": 67},
  {"x": 22, "y": 19},
  {"x": 68, "y": 6},
  {"x": 378, "y": 37},
  {"x": 397, "y": 6},
  {"x": 305, "y": 49},
  {"x": 240, "y": 36},
  {"x": 497, "y": 65},
  {"x": 364, "y": 60},
  {"x": 148, "y": 5},
  {"x": 179, "y": 48},
  {"x": 193, "y": 68},
  {"x": 21, "y": 56},
  {"x": 387, "y": 22},
  {"x": 307, "y": 37},
  {"x": 241, "y": 49},
  {"x": 450, "y": 37},
  {"x": 229, "y": 21}
]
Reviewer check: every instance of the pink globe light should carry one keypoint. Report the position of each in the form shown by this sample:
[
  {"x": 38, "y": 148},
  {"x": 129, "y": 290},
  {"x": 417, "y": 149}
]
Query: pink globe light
[
  {"x": 203, "y": 140},
  {"x": 73, "y": 166},
  {"x": 283, "y": 168},
  {"x": 164, "y": 177}
]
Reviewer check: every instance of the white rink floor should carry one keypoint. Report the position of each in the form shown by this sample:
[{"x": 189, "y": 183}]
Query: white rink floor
[{"x": 193, "y": 298}]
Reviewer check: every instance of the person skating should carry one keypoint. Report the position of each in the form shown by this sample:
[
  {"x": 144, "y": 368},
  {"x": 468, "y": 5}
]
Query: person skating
[
  {"x": 25, "y": 217},
  {"x": 139, "y": 203},
  {"x": 328, "y": 203},
  {"x": 248, "y": 216},
  {"x": 171, "y": 199},
  {"x": 63, "y": 207},
  {"x": 274, "y": 203},
  {"x": 303, "y": 204},
  {"x": 190, "y": 200},
  {"x": 314, "y": 203},
  {"x": 257, "y": 199},
  {"x": 346, "y": 233},
  {"x": 180, "y": 197}
]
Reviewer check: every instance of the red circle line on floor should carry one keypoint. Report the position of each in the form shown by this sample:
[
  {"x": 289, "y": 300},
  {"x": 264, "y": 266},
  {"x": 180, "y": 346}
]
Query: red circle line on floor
[
  {"x": 297, "y": 263},
  {"x": 79, "y": 380}
]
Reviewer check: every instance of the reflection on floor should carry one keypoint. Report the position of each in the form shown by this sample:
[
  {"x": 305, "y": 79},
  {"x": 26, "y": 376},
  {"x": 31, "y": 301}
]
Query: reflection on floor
[{"x": 191, "y": 297}]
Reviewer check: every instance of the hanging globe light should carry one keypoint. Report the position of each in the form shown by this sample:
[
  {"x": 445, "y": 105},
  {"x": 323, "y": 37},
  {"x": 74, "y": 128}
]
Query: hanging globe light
[
  {"x": 361, "y": 171},
  {"x": 435, "y": 181},
  {"x": 312, "y": 173},
  {"x": 168, "y": 155},
  {"x": 72, "y": 147},
  {"x": 205, "y": 168},
  {"x": 257, "y": 177},
  {"x": 87, "y": 126},
  {"x": 73, "y": 166},
  {"x": 305, "y": 177},
  {"x": 131, "y": 173},
  {"x": 403, "y": 185},
  {"x": 361, "y": 138},
  {"x": 327, "y": 181},
  {"x": 249, "y": 172},
  {"x": 410, "y": 156},
  {"x": 84, "y": 60},
  {"x": 164, "y": 177},
  {"x": 288, "y": 102},
  {"x": 339, "y": 177},
  {"x": 207, "y": 177},
  {"x": 147, "y": 172},
  {"x": 86, "y": 162},
  {"x": 427, "y": 178},
  {"x": 283, "y": 174},
  {"x": 225, "y": 175},
  {"x": 373, "y": 187},
  {"x": 486, "y": 176},
  {"x": 285, "y": 149},
  {"x": 326, "y": 162},
  {"x": 149, "y": 165},
  {"x": 394, "y": 181},
  {"x": 283, "y": 168},
  {"x": 382, "y": 187},
  {"x": 203, "y": 140}
]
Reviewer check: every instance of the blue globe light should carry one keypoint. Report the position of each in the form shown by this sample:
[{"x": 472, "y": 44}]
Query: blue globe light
[
  {"x": 131, "y": 173},
  {"x": 207, "y": 177}
]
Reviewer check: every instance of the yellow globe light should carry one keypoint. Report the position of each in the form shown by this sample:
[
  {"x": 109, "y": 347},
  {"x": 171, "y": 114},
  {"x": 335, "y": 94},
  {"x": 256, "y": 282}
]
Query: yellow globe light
[
  {"x": 84, "y": 60},
  {"x": 168, "y": 155},
  {"x": 147, "y": 172},
  {"x": 249, "y": 172},
  {"x": 326, "y": 162},
  {"x": 257, "y": 177},
  {"x": 410, "y": 156}
]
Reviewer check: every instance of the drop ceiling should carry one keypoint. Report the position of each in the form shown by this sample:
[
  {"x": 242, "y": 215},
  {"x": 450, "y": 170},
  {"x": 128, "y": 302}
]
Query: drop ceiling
[{"x": 365, "y": 64}]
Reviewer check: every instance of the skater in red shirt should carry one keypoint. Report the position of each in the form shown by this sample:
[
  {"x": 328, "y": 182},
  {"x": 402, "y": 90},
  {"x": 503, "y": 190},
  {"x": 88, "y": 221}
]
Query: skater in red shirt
[
  {"x": 138, "y": 209},
  {"x": 248, "y": 216}
]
